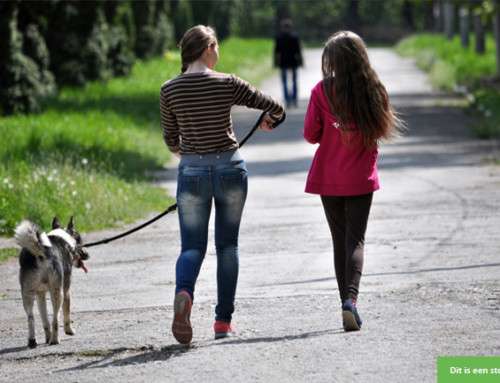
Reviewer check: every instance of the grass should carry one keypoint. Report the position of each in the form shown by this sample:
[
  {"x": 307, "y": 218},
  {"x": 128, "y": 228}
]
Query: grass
[
  {"x": 87, "y": 154},
  {"x": 250, "y": 59},
  {"x": 486, "y": 103},
  {"x": 451, "y": 66},
  {"x": 7, "y": 253}
]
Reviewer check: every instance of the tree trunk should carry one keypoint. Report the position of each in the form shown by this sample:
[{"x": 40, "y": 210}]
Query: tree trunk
[
  {"x": 449, "y": 20},
  {"x": 429, "y": 22},
  {"x": 480, "y": 47},
  {"x": 438, "y": 11},
  {"x": 352, "y": 18},
  {"x": 496, "y": 21},
  {"x": 407, "y": 16},
  {"x": 464, "y": 27}
]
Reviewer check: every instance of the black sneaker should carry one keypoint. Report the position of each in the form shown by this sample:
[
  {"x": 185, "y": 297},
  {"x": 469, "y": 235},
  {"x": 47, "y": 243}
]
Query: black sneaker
[{"x": 352, "y": 321}]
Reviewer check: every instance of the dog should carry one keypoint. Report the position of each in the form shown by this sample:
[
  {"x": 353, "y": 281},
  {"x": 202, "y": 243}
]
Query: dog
[{"x": 46, "y": 262}]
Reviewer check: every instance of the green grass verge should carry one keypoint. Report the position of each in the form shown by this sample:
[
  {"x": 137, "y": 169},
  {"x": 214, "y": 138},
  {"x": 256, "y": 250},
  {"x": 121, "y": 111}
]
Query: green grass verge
[
  {"x": 87, "y": 153},
  {"x": 447, "y": 61},
  {"x": 449, "y": 64},
  {"x": 486, "y": 103},
  {"x": 7, "y": 253}
]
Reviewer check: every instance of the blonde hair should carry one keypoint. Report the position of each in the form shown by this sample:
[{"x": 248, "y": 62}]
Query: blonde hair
[
  {"x": 360, "y": 96},
  {"x": 194, "y": 42}
]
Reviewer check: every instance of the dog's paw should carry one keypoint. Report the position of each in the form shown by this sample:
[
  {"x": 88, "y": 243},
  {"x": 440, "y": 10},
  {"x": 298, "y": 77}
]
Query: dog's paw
[
  {"x": 32, "y": 343},
  {"x": 53, "y": 341},
  {"x": 69, "y": 330}
]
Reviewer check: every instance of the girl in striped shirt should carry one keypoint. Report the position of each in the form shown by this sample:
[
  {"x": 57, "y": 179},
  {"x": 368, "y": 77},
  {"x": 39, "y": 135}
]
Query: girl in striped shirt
[{"x": 197, "y": 128}]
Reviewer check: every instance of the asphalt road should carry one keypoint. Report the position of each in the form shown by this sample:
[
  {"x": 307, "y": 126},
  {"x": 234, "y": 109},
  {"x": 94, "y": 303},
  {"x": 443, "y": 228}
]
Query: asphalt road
[{"x": 430, "y": 286}]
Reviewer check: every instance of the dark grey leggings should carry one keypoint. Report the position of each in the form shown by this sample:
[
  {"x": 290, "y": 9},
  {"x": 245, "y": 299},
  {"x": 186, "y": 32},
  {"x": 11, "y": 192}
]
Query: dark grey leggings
[{"x": 347, "y": 218}]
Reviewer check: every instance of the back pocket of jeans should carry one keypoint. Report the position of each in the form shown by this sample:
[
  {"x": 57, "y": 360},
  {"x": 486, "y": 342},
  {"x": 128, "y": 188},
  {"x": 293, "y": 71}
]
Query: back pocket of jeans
[
  {"x": 188, "y": 188},
  {"x": 234, "y": 185}
]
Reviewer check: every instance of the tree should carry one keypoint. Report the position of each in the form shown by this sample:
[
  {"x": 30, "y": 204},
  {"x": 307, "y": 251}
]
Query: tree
[
  {"x": 496, "y": 21},
  {"x": 352, "y": 19},
  {"x": 464, "y": 26},
  {"x": 479, "y": 33},
  {"x": 77, "y": 42},
  {"x": 407, "y": 15},
  {"x": 154, "y": 33},
  {"x": 182, "y": 17},
  {"x": 449, "y": 20},
  {"x": 24, "y": 74}
]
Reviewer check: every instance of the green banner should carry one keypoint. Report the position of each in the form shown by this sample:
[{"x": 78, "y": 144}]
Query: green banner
[{"x": 473, "y": 369}]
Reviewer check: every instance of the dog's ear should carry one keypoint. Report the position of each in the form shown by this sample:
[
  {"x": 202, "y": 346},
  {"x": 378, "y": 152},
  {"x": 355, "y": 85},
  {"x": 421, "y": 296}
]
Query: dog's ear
[
  {"x": 70, "y": 226},
  {"x": 56, "y": 224}
]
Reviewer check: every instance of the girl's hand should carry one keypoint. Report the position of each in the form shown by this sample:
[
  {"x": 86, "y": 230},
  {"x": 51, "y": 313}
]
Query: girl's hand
[
  {"x": 267, "y": 122},
  {"x": 265, "y": 125}
]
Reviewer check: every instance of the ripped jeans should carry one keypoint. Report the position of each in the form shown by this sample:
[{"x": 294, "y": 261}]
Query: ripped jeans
[{"x": 212, "y": 178}]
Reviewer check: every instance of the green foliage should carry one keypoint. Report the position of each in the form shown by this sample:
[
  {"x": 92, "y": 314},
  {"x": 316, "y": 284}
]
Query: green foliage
[
  {"x": 486, "y": 103},
  {"x": 312, "y": 22},
  {"x": 450, "y": 65},
  {"x": 89, "y": 41},
  {"x": 24, "y": 64},
  {"x": 81, "y": 41},
  {"x": 96, "y": 198},
  {"x": 7, "y": 253},
  {"x": 87, "y": 153},
  {"x": 255, "y": 19},
  {"x": 154, "y": 33},
  {"x": 182, "y": 17},
  {"x": 379, "y": 21},
  {"x": 447, "y": 61},
  {"x": 240, "y": 55}
]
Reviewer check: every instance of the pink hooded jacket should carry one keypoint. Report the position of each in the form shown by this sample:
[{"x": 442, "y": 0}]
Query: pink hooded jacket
[{"x": 337, "y": 169}]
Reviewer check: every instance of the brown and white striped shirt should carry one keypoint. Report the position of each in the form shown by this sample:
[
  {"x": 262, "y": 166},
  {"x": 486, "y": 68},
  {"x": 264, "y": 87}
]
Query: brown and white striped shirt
[{"x": 196, "y": 110}]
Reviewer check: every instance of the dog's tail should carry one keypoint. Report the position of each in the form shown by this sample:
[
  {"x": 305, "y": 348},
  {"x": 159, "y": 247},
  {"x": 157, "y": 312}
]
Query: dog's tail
[{"x": 29, "y": 236}]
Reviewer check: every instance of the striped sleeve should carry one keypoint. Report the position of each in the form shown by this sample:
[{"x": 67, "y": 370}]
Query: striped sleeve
[
  {"x": 196, "y": 111},
  {"x": 247, "y": 95},
  {"x": 169, "y": 123}
]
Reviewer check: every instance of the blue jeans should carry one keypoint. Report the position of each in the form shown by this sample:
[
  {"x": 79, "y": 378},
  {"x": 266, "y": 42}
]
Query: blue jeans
[
  {"x": 198, "y": 185},
  {"x": 289, "y": 98}
]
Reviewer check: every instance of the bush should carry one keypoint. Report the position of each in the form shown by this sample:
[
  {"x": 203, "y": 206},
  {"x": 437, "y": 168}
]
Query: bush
[
  {"x": 448, "y": 62},
  {"x": 24, "y": 66},
  {"x": 452, "y": 66},
  {"x": 154, "y": 31}
]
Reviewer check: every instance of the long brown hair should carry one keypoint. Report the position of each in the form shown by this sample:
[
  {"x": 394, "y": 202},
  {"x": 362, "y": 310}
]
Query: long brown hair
[
  {"x": 360, "y": 96},
  {"x": 194, "y": 42}
]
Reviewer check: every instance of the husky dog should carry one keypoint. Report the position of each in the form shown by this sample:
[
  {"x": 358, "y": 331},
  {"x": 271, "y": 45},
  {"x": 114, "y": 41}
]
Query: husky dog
[{"x": 46, "y": 262}]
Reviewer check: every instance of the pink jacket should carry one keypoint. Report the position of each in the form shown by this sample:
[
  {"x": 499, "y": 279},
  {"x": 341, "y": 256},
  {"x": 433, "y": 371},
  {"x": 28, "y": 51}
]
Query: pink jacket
[{"x": 337, "y": 169}]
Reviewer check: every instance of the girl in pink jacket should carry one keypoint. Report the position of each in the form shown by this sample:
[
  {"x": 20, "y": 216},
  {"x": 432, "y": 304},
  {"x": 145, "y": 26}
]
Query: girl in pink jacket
[{"x": 348, "y": 114}]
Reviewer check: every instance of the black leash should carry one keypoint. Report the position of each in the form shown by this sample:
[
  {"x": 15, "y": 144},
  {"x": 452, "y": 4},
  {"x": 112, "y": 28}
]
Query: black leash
[{"x": 174, "y": 206}]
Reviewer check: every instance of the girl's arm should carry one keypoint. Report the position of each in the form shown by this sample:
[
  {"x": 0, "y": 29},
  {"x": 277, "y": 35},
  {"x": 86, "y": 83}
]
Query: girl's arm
[
  {"x": 169, "y": 125},
  {"x": 246, "y": 94}
]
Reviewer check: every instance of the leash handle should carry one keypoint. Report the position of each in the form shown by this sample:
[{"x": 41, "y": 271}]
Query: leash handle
[
  {"x": 259, "y": 121},
  {"x": 279, "y": 121}
]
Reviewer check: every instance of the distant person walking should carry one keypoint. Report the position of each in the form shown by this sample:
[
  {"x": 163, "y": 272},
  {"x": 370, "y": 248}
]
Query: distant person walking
[
  {"x": 348, "y": 114},
  {"x": 197, "y": 127},
  {"x": 288, "y": 57}
]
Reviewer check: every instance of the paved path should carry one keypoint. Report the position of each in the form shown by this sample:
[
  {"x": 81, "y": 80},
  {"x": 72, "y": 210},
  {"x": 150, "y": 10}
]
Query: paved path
[{"x": 430, "y": 284}]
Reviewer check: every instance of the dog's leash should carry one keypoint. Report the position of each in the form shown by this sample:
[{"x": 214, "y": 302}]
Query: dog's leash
[{"x": 174, "y": 206}]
